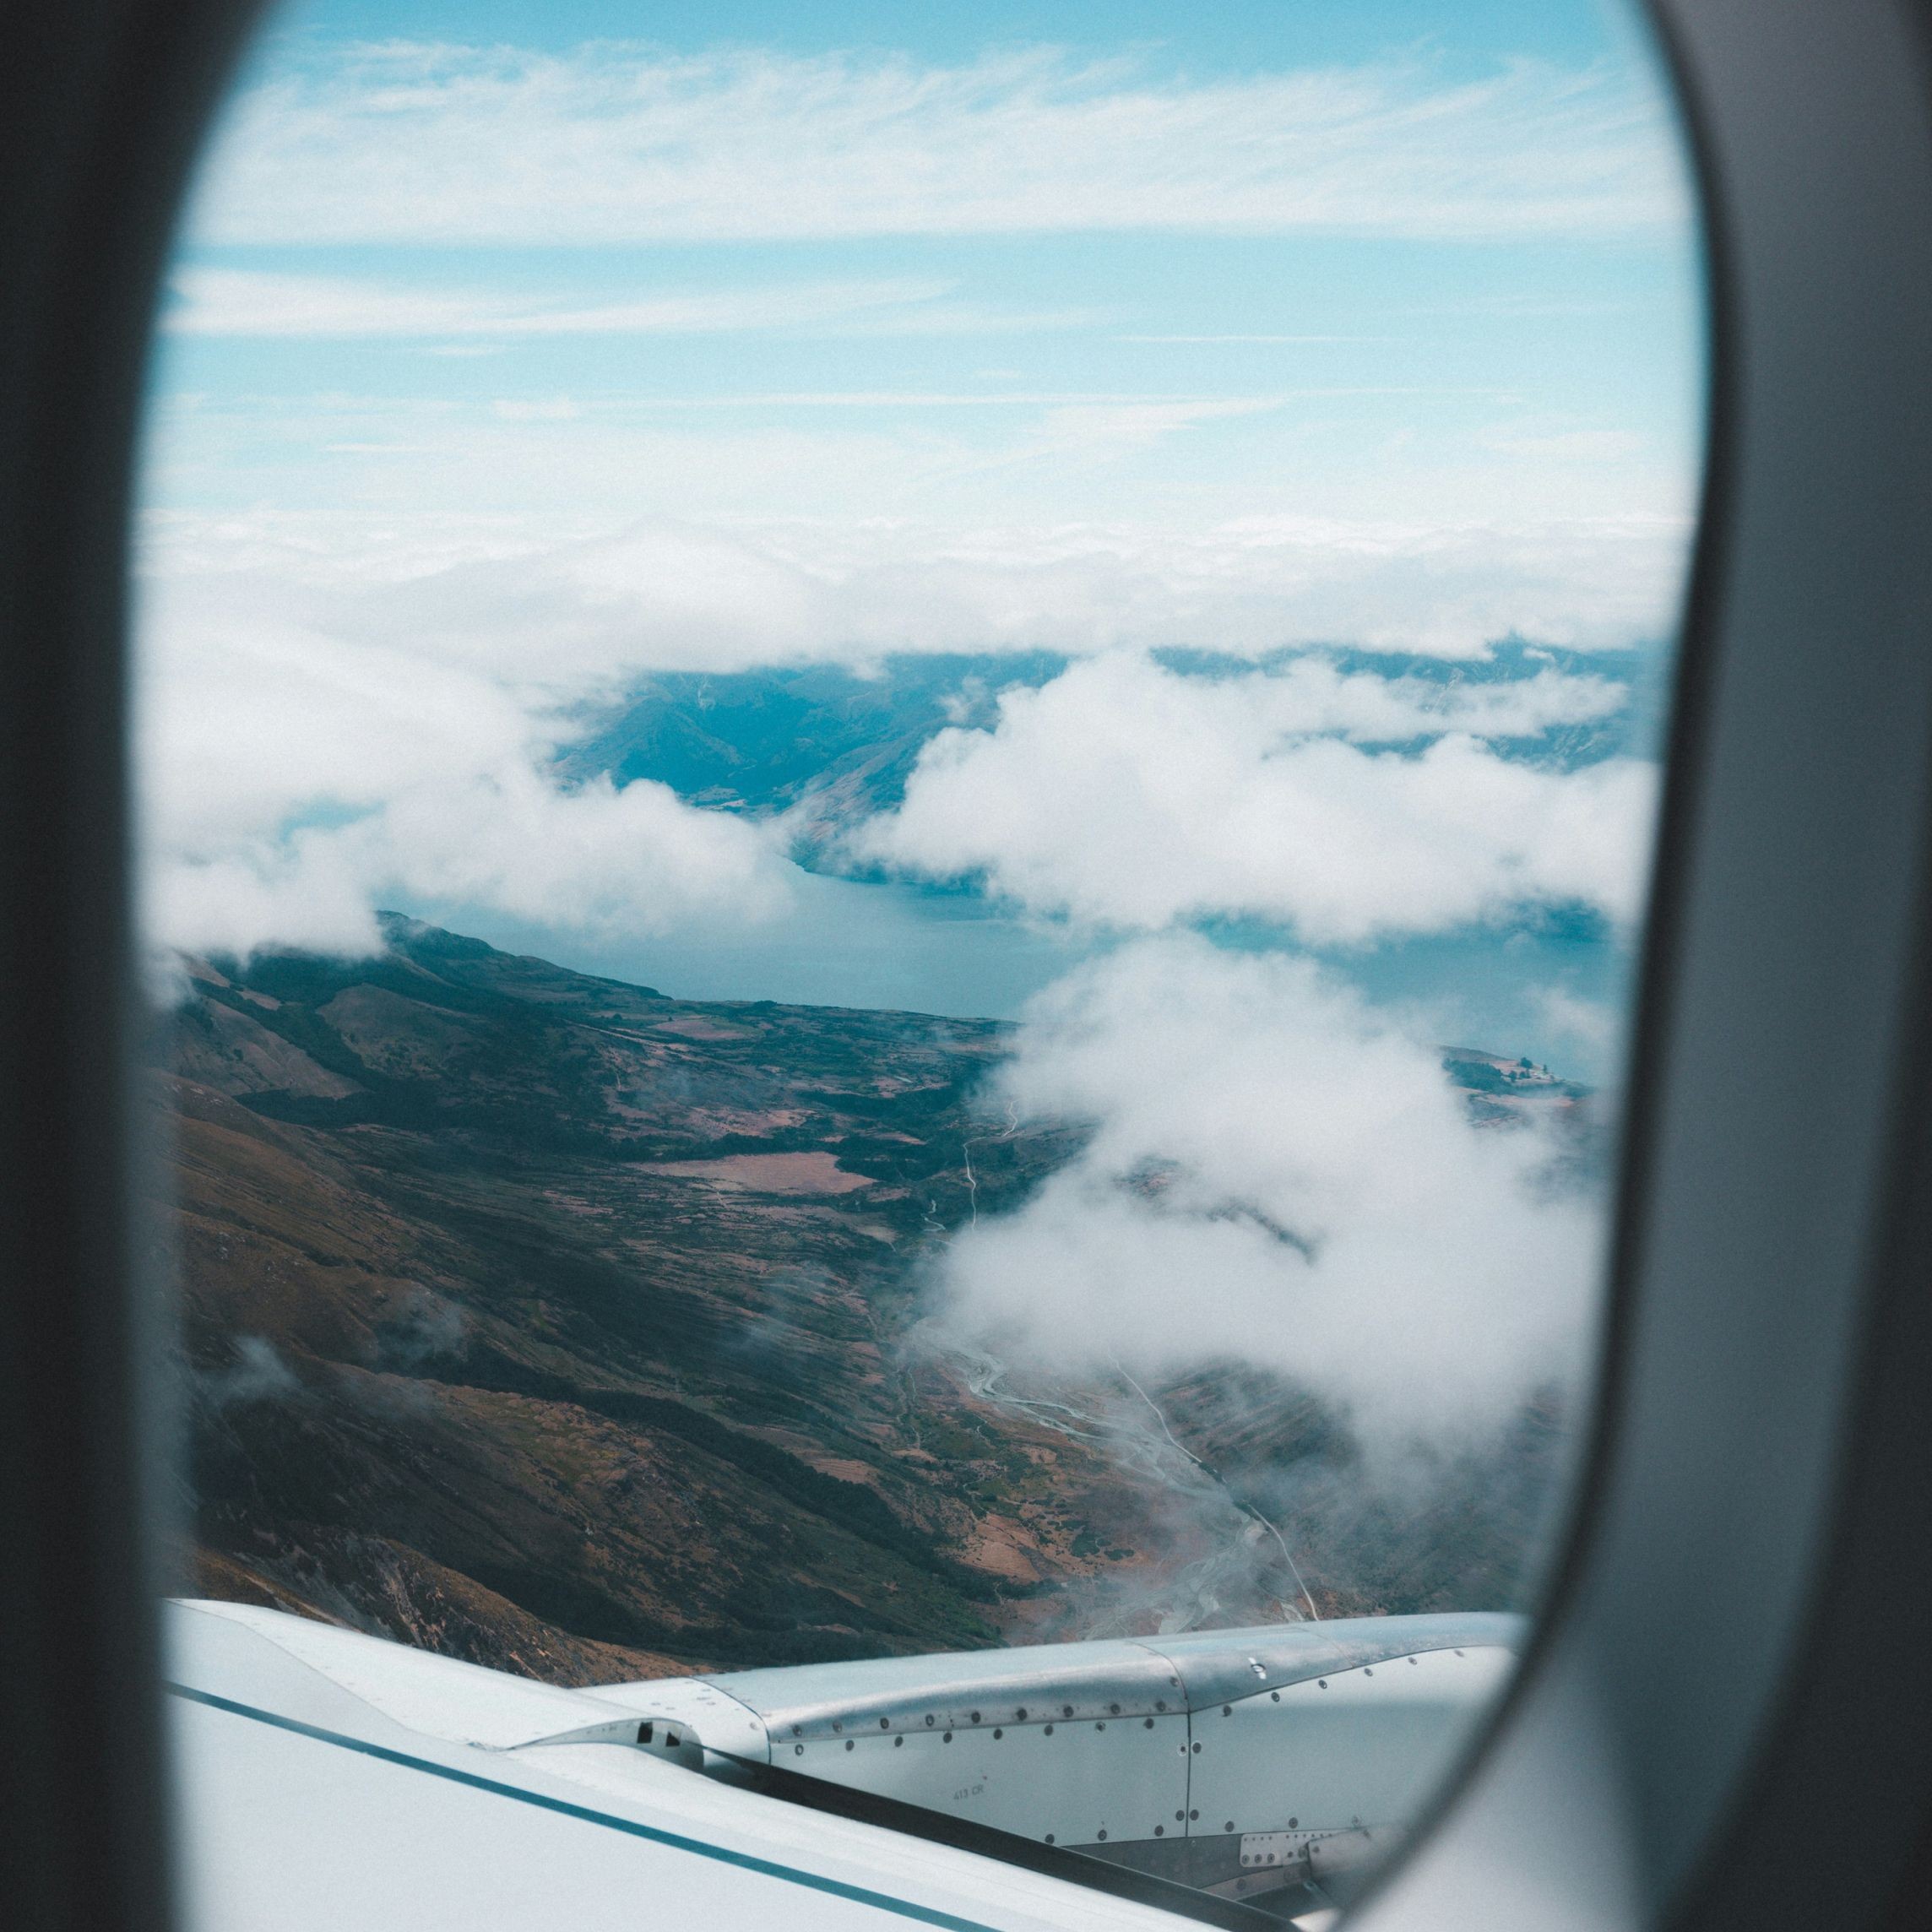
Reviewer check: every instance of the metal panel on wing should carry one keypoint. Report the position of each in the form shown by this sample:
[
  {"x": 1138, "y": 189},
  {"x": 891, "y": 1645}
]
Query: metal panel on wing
[
  {"x": 1363, "y": 1747},
  {"x": 1073, "y": 1781}
]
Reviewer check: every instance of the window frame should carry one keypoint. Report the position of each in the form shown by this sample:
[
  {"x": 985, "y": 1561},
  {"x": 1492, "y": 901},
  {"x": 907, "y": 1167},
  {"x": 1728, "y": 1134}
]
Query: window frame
[
  {"x": 1716, "y": 1724},
  {"x": 1721, "y": 1719}
]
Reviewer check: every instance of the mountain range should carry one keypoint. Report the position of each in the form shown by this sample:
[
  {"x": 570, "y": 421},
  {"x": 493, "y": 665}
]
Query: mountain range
[{"x": 553, "y": 1323}]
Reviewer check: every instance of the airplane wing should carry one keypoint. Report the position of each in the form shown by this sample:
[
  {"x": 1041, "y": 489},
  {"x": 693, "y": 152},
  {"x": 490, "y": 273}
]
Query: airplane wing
[{"x": 329, "y": 1779}]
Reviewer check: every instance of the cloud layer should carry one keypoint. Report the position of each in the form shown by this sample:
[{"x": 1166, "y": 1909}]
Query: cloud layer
[
  {"x": 411, "y": 143},
  {"x": 1281, "y": 1176},
  {"x": 696, "y": 594},
  {"x": 330, "y": 717},
  {"x": 1124, "y": 794}
]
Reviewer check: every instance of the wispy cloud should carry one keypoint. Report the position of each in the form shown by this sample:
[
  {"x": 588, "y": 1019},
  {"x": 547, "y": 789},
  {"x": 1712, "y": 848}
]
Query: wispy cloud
[
  {"x": 429, "y": 144},
  {"x": 1268, "y": 339},
  {"x": 1187, "y": 407},
  {"x": 266, "y": 302},
  {"x": 1567, "y": 446}
]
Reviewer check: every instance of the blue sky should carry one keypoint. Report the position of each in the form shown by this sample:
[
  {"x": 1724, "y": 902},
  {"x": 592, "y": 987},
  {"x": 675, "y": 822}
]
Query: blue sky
[
  {"x": 1211, "y": 36},
  {"x": 387, "y": 302}
]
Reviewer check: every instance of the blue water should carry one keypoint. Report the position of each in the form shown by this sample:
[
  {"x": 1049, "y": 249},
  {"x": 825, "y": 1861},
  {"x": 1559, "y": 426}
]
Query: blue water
[{"x": 903, "y": 947}]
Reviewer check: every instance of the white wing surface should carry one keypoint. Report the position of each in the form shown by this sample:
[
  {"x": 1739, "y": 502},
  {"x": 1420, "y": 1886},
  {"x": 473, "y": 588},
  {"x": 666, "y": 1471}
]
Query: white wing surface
[{"x": 332, "y": 1780}]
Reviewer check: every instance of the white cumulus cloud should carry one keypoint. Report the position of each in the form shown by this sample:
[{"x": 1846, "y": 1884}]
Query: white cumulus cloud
[
  {"x": 1281, "y": 1175},
  {"x": 294, "y": 776},
  {"x": 1127, "y": 794}
]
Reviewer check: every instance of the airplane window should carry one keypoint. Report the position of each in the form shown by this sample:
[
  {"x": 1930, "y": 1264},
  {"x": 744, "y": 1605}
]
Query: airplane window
[{"x": 897, "y": 771}]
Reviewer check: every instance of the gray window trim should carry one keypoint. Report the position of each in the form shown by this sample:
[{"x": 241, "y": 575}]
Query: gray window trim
[{"x": 1727, "y": 1716}]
